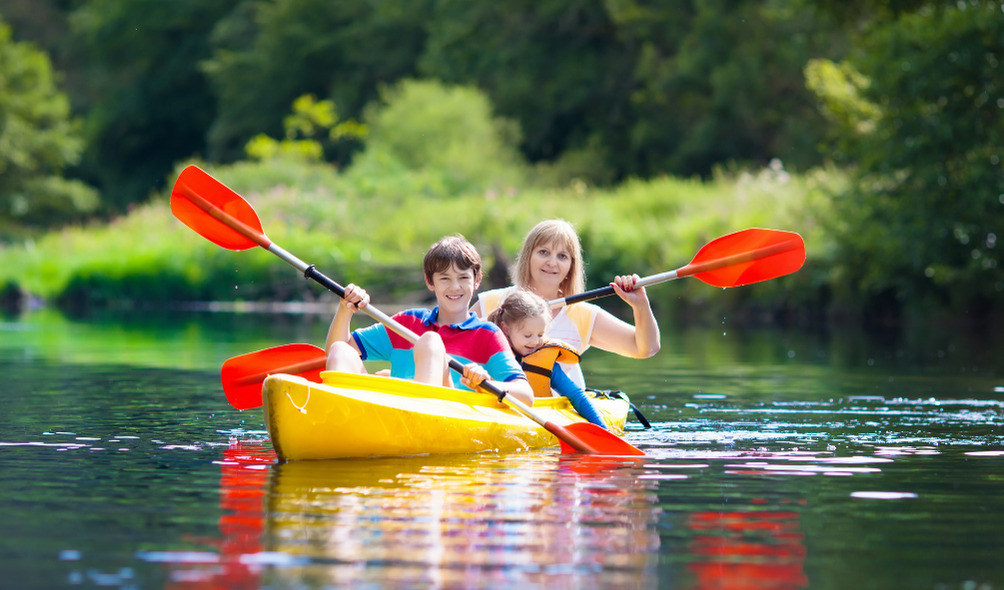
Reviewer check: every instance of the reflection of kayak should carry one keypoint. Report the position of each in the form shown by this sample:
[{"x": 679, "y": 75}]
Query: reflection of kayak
[
  {"x": 351, "y": 415},
  {"x": 461, "y": 521}
]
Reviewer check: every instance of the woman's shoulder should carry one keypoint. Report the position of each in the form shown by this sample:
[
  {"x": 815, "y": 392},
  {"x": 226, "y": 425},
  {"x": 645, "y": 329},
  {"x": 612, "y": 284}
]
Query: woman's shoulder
[
  {"x": 583, "y": 310},
  {"x": 489, "y": 300}
]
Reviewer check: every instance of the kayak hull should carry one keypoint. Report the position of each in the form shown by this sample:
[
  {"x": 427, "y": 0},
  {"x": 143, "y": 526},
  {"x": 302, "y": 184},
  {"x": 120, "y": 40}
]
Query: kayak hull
[{"x": 351, "y": 415}]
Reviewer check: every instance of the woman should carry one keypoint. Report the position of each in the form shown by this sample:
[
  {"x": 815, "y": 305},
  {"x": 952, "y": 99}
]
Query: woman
[{"x": 550, "y": 265}]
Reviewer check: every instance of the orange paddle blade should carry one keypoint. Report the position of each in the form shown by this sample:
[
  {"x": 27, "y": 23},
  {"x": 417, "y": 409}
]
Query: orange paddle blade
[
  {"x": 590, "y": 438},
  {"x": 243, "y": 375},
  {"x": 215, "y": 211},
  {"x": 747, "y": 256}
]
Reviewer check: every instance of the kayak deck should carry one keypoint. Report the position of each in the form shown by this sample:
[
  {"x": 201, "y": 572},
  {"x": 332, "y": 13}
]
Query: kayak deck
[{"x": 352, "y": 415}]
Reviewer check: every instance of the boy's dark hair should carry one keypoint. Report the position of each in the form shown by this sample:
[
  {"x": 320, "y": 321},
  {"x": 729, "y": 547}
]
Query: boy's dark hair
[{"x": 450, "y": 251}]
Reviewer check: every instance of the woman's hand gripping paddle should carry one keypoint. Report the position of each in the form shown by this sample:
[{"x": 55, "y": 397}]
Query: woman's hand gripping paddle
[
  {"x": 220, "y": 215},
  {"x": 741, "y": 258}
]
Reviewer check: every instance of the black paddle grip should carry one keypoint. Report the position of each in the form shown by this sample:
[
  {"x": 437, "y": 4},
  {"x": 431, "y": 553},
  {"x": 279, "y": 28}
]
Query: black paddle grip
[{"x": 317, "y": 276}]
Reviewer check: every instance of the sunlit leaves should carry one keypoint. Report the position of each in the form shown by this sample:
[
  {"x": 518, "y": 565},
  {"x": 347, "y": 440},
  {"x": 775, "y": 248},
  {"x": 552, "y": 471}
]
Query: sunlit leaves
[{"x": 38, "y": 139}]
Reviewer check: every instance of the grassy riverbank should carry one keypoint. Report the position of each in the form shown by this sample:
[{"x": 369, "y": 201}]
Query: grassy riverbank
[{"x": 373, "y": 230}]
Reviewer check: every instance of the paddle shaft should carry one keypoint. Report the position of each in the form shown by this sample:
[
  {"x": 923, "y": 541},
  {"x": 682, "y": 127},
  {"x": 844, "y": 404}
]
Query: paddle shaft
[
  {"x": 310, "y": 272},
  {"x": 682, "y": 272}
]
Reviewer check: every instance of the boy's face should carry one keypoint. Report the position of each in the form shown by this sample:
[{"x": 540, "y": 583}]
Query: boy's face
[{"x": 454, "y": 288}]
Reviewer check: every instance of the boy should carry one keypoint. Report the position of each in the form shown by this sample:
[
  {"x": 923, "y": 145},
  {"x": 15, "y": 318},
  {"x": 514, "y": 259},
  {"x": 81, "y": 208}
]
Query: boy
[{"x": 452, "y": 269}]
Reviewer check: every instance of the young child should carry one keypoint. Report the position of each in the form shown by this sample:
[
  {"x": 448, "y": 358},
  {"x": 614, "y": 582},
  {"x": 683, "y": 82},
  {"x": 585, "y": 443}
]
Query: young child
[
  {"x": 523, "y": 317},
  {"x": 452, "y": 269}
]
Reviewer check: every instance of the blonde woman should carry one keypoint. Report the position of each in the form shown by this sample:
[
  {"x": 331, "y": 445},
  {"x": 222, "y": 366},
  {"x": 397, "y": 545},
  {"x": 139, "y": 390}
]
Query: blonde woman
[{"x": 550, "y": 265}]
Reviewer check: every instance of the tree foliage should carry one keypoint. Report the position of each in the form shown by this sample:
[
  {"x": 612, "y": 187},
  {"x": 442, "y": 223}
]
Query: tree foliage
[
  {"x": 147, "y": 102},
  {"x": 923, "y": 127},
  {"x": 38, "y": 140},
  {"x": 904, "y": 94},
  {"x": 268, "y": 53},
  {"x": 660, "y": 87},
  {"x": 309, "y": 128}
]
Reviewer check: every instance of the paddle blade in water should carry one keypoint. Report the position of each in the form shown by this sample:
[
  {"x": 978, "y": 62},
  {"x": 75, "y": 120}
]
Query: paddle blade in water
[
  {"x": 215, "y": 211},
  {"x": 243, "y": 375},
  {"x": 746, "y": 257},
  {"x": 595, "y": 440}
]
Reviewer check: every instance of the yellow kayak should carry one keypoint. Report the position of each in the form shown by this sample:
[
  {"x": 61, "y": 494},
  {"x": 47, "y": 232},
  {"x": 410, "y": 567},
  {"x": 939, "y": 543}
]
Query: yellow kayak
[{"x": 351, "y": 415}]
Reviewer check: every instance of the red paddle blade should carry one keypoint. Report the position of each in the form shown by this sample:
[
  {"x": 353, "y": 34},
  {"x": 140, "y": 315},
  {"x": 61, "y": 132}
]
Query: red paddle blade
[
  {"x": 195, "y": 190},
  {"x": 747, "y": 256},
  {"x": 585, "y": 437},
  {"x": 243, "y": 375}
]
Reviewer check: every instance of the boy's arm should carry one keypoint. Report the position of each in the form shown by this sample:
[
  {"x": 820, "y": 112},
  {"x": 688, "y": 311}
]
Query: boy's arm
[
  {"x": 518, "y": 388},
  {"x": 355, "y": 298},
  {"x": 475, "y": 375}
]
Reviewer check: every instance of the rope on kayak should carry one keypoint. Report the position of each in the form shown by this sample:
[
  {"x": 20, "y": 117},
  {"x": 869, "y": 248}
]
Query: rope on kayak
[{"x": 302, "y": 409}]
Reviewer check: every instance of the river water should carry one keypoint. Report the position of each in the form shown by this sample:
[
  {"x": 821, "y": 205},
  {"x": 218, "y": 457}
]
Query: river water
[{"x": 776, "y": 459}]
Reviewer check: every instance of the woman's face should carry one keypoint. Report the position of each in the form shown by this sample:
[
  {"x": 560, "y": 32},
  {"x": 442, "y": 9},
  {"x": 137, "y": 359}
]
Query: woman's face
[
  {"x": 527, "y": 335},
  {"x": 549, "y": 265}
]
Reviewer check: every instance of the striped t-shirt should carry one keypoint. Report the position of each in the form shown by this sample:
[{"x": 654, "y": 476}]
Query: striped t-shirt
[{"x": 473, "y": 340}]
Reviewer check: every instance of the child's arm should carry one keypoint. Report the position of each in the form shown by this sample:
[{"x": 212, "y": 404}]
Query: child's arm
[
  {"x": 475, "y": 375},
  {"x": 355, "y": 298},
  {"x": 575, "y": 394}
]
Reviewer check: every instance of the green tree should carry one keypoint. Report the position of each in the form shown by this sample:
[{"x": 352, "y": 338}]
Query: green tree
[
  {"x": 310, "y": 126},
  {"x": 268, "y": 53},
  {"x": 922, "y": 126},
  {"x": 659, "y": 87},
  {"x": 38, "y": 140},
  {"x": 147, "y": 102},
  {"x": 426, "y": 128}
]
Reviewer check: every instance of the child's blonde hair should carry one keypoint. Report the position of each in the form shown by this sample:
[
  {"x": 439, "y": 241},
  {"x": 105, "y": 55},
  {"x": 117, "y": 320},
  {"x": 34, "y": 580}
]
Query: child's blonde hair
[
  {"x": 517, "y": 306},
  {"x": 556, "y": 231}
]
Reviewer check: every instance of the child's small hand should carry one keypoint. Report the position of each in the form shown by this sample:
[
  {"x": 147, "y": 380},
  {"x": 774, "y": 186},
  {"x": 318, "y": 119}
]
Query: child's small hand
[
  {"x": 474, "y": 374},
  {"x": 355, "y": 297},
  {"x": 624, "y": 286}
]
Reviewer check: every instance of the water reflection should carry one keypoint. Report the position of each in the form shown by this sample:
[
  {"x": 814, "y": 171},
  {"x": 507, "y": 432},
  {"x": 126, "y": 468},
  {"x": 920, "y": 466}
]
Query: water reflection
[
  {"x": 466, "y": 521},
  {"x": 463, "y": 521},
  {"x": 764, "y": 470},
  {"x": 747, "y": 549}
]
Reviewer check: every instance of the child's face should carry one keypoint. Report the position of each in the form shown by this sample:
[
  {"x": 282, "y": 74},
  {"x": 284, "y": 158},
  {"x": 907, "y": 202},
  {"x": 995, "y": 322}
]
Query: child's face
[
  {"x": 549, "y": 265},
  {"x": 526, "y": 336},
  {"x": 454, "y": 288}
]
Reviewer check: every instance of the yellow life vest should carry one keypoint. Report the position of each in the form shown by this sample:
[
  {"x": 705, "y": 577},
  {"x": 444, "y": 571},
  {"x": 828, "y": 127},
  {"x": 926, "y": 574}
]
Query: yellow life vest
[{"x": 539, "y": 364}]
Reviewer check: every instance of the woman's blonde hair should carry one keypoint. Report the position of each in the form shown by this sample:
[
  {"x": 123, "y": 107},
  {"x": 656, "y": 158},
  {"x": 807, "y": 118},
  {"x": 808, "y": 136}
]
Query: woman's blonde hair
[
  {"x": 517, "y": 306},
  {"x": 556, "y": 231}
]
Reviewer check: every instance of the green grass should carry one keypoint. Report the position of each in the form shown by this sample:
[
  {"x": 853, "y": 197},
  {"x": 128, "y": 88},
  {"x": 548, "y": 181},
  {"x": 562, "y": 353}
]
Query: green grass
[{"x": 373, "y": 229}]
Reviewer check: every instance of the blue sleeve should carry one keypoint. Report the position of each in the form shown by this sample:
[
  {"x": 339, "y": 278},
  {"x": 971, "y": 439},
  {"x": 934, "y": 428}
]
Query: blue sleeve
[
  {"x": 503, "y": 366},
  {"x": 373, "y": 342},
  {"x": 575, "y": 394}
]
